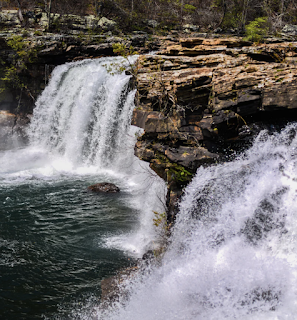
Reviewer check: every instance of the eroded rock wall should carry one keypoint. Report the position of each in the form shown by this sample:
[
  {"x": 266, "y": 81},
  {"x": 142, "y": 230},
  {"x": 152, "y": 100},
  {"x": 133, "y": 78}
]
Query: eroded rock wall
[
  {"x": 201, "y": 99},
  {"x": 27, "y": 59}
]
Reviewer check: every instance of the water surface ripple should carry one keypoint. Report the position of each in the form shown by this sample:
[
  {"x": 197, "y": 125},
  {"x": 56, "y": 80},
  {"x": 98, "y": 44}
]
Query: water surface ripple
[{"x": 52, "y": 245}]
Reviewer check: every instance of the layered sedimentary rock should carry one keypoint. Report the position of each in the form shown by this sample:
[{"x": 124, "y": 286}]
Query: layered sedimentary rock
[
  {"x": 201, "y": 98},
  {"x": 41, "y": 52}
]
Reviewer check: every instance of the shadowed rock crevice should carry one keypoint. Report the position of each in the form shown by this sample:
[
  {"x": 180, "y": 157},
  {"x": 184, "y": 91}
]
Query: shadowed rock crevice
[{"x": 202, "y": 99}]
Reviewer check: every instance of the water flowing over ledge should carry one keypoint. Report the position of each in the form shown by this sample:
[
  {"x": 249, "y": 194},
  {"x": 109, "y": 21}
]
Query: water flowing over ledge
[
  {"x": 57, "y": 240},
  {"x": 82, "y": 120},
  {"x": 233, "y": 248},
  {"x": 232, "y": 253}
]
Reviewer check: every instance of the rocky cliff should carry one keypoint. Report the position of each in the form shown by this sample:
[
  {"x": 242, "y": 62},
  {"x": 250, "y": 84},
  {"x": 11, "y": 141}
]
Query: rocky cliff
[
  {"x": 44, "y": 52},
  {"x": 29, "y": 53},
  {"x": 199, "y": 100}
]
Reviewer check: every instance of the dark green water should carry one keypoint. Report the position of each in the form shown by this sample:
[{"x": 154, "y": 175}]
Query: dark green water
[
  {"x": 58, "y": 241},
  {"x": 52, "y": 251}
]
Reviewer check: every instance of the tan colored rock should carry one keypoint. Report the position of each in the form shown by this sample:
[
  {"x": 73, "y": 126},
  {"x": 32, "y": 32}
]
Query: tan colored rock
[
  {"x": 189, "y": 157},
  {"x": 200, "y": 93}
]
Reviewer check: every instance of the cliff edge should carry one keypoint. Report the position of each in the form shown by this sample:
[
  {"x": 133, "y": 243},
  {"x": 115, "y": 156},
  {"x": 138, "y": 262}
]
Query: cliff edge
[{"x": 200, "y": 100}]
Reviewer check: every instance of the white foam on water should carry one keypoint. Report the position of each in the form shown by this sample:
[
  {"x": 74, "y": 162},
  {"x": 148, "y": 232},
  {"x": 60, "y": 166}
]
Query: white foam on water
[
  {"x": 81, "y": 126},
  {"x": 233, "y": 251}
]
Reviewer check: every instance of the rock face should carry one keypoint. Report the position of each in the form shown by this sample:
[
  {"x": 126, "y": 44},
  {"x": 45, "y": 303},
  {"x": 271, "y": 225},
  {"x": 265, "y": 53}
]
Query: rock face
[
  {"x": 202, "y": 98},
  {"x": 104, "y": 187},
  {"x": 38, "y": 19},
  {"x": 49, "y": 50},
  {"x": 11, "y": 130}
]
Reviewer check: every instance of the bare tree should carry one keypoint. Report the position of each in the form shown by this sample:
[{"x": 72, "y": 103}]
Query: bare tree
[
  {"x": 20, "y": 14},
  {"x": 244, "y": 14},
  {"x": 48, "y": 9}
]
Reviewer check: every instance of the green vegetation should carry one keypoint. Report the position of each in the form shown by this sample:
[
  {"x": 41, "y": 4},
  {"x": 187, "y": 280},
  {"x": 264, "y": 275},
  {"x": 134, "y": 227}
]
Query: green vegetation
[
  {"x": 163, "y": 229},
  {"x": 159, "y": 16},
  {"x": 188, "y": 8},
  {"x": 179, "y": 174},
  {"x": 160, "y": 219},
  {"x": 121, "y": 50},
  {"x": 175, "y": 172},
  {"x": 12, "y": 71},
  {"x": 257, "y": 29}
]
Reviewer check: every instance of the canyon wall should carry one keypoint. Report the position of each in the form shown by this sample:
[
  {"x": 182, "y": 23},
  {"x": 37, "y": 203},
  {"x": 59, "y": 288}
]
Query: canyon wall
[
  {"x": 200, "y": 97},
  {"x": 200, "y": 100}
]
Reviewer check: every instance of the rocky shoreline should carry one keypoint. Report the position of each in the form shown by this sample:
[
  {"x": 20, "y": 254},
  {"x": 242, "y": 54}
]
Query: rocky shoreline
[{"x": 200, "y": 97}]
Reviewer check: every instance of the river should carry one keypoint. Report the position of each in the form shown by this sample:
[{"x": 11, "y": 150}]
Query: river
[
  {"x": 57, "y": 240},
  {"x": 232, "y": 253}
]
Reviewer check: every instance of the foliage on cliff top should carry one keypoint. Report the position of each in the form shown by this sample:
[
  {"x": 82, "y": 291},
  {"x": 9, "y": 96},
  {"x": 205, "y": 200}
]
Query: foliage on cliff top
[
  {"x": 163, "y": 14},
  {"x": 23, "y": 54},
  {"x": 257, "y": 29}
]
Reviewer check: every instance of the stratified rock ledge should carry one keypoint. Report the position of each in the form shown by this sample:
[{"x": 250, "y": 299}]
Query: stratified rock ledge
[{"x": 201, "y": 99}]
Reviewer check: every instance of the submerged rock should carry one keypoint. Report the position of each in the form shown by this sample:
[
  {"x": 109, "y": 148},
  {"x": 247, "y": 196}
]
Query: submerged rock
[{"x": 104, "y": 187}]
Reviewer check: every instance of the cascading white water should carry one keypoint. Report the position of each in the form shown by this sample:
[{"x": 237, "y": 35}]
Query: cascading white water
[
  {"x": 84, "y": 113},
  {"x": 82, "y": 125},
  {"x": 233, "y": 251}
]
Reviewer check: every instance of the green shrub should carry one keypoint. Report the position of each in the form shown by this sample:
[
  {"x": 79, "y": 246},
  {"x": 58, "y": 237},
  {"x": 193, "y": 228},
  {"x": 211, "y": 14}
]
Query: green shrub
[
  {"x": 37, "y": 33},
  {"x": 257, "y": 29},
  {"x": 188, "y": 8},
  {"x": 24, "y": 54}
]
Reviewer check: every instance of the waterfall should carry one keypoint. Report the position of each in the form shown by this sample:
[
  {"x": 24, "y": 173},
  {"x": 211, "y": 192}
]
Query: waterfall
[
  {"x": 81, "y": 126},
  {"x": 84, "y": 114},
  {"x": 233, "y": 250},
  {"x": 81, "y": 120}
]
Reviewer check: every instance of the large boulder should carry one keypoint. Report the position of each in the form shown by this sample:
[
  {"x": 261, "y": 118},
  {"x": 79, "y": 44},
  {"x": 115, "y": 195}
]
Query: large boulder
[
  {"x": 106, "y": 24},
  {"x": 104, "y": 187},
  {"x": 9, "y": 18},
  {"x": 290, "y": 29}
]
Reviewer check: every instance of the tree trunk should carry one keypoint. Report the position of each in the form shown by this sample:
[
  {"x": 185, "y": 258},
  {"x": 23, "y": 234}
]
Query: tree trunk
[
  {"x": 244, "y": 15},
  {"x": 181, "y": 13},
  {"x": 282, "y": 11},
  {"x": 20, "y": 14},
  {"x": 49, "y": 14},
  {"x": 132, "y": 9},
  {"x": 224, "y": 13}
]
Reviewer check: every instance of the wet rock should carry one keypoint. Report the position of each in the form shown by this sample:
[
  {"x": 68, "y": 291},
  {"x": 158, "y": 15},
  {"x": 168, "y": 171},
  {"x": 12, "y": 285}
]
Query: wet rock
[
  {"x": 114, "y": 287},
  {"x": 104, "y": 187},
  {"x": 198, "y": 98},
  {"x": 190, "y": 157},
  {"x": 7, "y": 119},
  {"x": 281, "y": 96},
  {"x": 7, "y": 123}
]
